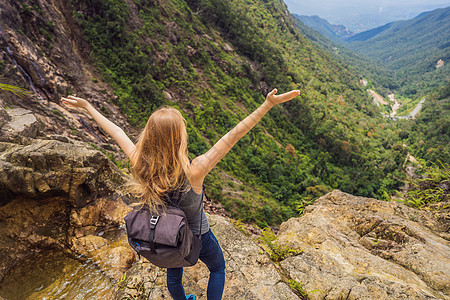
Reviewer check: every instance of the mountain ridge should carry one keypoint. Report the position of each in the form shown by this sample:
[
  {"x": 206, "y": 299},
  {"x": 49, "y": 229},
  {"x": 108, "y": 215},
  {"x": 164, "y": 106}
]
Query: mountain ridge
[
  {"x": 336, "y": 33},
  {"x": 430, "y": 28},
  {"x": 411, "y": 48}
]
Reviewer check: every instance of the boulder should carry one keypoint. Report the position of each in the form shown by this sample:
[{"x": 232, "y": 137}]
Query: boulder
[
  {"x": 60, "y": 194},
  {"x": 29, "y": 226},
  {"x": 18, "y": 122},
  {"x": 48, "y": 167},
  {"x": 4, "y": 117},
  {"x": 113, "y": 260},
  {"x": 361, "y": 248},
  {"x": 102, "y": 212}
]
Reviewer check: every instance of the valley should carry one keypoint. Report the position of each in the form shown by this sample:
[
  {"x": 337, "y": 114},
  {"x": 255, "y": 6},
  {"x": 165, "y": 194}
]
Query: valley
[
  {"x": 394, "y": 105},
  {"x": 333, "y": 158}
]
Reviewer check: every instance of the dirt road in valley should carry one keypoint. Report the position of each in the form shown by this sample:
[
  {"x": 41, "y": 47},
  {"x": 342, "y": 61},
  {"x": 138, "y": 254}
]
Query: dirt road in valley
[{"x": 411, "y": 115}]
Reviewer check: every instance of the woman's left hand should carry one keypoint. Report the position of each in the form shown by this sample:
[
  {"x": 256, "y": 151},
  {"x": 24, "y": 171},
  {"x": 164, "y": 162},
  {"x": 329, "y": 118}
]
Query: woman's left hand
[
  {"x": 274, "y": 99},
  {"x": 73, "y": 101}
]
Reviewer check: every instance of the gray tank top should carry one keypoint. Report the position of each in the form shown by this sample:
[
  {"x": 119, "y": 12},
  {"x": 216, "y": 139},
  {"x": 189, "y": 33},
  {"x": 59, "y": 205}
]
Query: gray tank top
[{"x": 192, "y": 205}]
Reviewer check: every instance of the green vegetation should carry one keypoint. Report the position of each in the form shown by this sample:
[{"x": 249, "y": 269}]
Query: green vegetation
[
  {"x": 217, "y": 59},
  {"x": 378, "y": 76},
  {"x": 276, "y": 251},
  {"x": 412, "y": 49},
  {"x": 240, "y": 225},
  {"x": 432, "y": 186},
  {"x": 33, "y": 17},
  {"x": 18, "y": 91},
  {"x": 428, "y": 136},
  {"x": 325, "y": 28},
  {"x": 296, "y": 286}
]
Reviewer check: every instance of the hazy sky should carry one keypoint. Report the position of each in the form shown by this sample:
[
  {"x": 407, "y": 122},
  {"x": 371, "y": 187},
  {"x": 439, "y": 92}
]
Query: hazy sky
[{"x": 363, "y": 14}]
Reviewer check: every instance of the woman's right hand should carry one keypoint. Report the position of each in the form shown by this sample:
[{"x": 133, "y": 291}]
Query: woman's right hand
[
  {"x": 274, "y": 99},
  {"x": 73, "y": 101}
]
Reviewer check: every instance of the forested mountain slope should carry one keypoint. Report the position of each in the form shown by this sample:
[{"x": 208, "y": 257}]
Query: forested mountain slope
[
  {"x": 429, "y": 135},
  {"x": 336, "y": 33},
  {"x": 380, "y": 77},
  {"x": 215, "y": 60},
  {"x": 412, "y": 48}
]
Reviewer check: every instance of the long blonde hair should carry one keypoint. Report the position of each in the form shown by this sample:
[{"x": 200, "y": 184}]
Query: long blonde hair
[{"x": 160, "y": 161}]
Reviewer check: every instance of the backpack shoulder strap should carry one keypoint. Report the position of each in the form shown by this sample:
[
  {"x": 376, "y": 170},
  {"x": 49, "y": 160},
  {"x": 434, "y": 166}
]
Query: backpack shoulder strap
[{"x": 172, "y": 198}]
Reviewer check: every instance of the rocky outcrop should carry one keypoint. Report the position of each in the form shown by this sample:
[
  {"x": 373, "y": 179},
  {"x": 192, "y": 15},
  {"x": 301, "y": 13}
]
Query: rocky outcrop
[
  {"x": 19, "y": 122},
  {"x": 350, "y": 248},
  {"x": 250, "y": 274},
  {"x": 60, "y": 194},
  {"x": 44, "y": 167},
  {"x": 360, "y": 248}
]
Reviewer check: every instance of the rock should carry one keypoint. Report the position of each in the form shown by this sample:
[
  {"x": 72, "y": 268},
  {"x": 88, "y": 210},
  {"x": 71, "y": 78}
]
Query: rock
[
  {"x": 168, "y": 96},
  {"x": 87, "y": 244},
  {"x": 116, "y": 260},
  {"x": 48, "y": 166},
  {"x": 104, "y": 212},
  {"x": 4, "y": 117},
  {"x": 112, "y": 260},
  {"x": 51, "y": 72},
  {"x": 227, "y": 47},
  {"x": 249, "y": 272},
  {"x": 360, "y": 248},
  {"x": 21, "y": 122},
  {"x": 60, "y": 195},
  {"x": 28, "y": 225}
]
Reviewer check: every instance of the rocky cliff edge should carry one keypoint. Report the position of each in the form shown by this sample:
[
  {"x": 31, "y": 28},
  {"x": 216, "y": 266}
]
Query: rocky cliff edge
[{"x": 60, "y": 193}]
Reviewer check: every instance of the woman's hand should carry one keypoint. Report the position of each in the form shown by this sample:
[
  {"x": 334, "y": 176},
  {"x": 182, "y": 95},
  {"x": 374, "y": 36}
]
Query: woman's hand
[
  {"x": 276, "y": 99},
  {"x": 72, "y": 101},
  {"x": 112, "y": 129}
]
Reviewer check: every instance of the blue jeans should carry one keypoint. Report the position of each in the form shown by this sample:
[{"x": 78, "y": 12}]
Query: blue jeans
[{"x": 212, "y": 255}]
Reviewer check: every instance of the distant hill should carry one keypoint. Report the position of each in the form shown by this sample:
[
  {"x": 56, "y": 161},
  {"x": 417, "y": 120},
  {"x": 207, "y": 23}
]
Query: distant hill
[
  {"x": 336, "y": 33},
  {"x": 366, "y": 35},
  {"x": 417, "y": 49},
  {"x": 379, "y": 76},
  {"x": 421, "y": 41}
]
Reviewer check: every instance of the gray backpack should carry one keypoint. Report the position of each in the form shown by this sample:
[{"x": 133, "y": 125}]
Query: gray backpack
[{"x": 165, "y": 239}]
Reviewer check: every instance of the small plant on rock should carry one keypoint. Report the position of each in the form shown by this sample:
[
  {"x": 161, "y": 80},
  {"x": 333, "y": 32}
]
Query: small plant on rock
[{"x": 276, "y": 251}]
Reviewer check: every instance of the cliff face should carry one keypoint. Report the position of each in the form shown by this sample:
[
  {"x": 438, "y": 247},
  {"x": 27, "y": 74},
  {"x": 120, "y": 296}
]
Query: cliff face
[{"x": 42, "y": 50}]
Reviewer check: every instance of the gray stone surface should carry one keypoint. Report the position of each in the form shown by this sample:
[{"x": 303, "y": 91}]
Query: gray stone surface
[
  {"x": 20, "y": 122},
  {"x": 361, "y": 248}
]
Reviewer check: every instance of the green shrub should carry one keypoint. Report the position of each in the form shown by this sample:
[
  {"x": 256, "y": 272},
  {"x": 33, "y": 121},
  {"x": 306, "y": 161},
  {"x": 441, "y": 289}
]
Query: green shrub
[{"x": 433, "y": 186}]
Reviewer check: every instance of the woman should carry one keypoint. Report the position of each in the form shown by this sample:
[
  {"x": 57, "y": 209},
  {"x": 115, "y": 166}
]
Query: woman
[{"x": 160, "y": 164}]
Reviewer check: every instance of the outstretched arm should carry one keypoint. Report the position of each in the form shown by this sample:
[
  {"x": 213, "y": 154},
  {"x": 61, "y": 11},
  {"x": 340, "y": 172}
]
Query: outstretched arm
[
  {"x": 203, "y": 164},
  {"x": 112, "y": 129}
]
